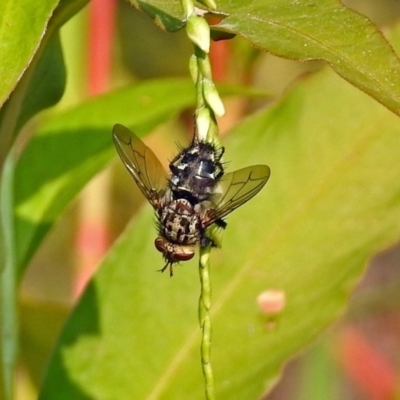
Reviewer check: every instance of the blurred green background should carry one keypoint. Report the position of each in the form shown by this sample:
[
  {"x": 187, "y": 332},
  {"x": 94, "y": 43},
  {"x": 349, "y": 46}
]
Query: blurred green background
[{"x": 56, "y": 274}]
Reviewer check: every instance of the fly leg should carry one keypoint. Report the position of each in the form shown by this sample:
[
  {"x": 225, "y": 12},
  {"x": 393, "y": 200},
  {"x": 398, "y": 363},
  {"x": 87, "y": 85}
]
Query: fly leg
[
  {"x": 171, "y": 270},
  {"x": 212, "y": 238}
]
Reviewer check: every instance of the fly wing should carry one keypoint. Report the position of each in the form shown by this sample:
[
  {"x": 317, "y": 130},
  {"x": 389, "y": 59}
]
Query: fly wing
[
  {"x": 235, "y": 188},
  {"x": 141, "y": 163}
]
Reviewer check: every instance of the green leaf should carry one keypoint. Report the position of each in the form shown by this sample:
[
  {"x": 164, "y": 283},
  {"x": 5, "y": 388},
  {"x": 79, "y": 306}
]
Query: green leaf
[
  {"x": 305, "y": 30},
  {"x": 43, "y": 81},
  {"x": 325, "y": 30},
  {"x": 167, "y": 15},
  {"x": 47, "y": 84},
  {"x": 18, "y": 48},
  {"x": 332, "y": 201},
  {"x": 22, "y": 26}
]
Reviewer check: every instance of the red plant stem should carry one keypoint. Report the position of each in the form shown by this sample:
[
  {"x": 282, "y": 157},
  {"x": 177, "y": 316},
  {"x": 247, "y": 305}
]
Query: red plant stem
[
  {"x": 93, "y": 235},
  {"x": 219, "y": 59},
  {"x": 102, "y": 13}
]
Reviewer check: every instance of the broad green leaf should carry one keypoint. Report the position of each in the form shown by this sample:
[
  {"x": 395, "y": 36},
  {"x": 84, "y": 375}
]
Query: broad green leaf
[
  {"x": 43, "y": 82},
  {"x": 47, "y": 83},
  {"x": 71, "y": 148},
  {"x": 306, "y": 30},
  {"x": 22, "y": 26},
  {"x": 17, "y": 52},
  {"x": 325, "y": 30},
  {"x": 332, "y": 201}
]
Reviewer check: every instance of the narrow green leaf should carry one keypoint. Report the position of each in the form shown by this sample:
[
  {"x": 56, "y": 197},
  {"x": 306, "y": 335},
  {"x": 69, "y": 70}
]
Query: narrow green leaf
[
  {"x": 325, "y": 30},
  {"x": 332, "y": 201}
]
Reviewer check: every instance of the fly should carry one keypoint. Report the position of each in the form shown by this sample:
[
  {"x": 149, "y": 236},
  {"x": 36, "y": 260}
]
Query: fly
[
  {"x": 196, "y": 170},
  {"x": 193, "y": 196}
]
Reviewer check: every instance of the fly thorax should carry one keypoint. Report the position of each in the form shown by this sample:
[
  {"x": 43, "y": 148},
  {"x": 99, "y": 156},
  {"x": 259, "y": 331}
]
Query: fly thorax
[{"x": 196, "y": 171}]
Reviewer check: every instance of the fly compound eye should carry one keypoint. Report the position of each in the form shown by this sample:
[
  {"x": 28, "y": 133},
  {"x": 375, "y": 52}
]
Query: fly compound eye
[
  {"x": 161, "y": 245},
  {"x": 184, "y": 256},
  {"x": 173, "y": 252}
]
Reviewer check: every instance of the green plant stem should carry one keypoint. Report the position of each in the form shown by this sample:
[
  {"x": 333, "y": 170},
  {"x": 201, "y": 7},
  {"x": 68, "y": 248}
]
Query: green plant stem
[
  {"x": 200, "y": 68},
  {"x": 205, "y": 321},
  {"x": 8, "y": 303}
]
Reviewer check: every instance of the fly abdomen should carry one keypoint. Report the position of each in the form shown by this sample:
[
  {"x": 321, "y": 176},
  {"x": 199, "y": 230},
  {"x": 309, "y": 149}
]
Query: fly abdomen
[{"x": 179, "y": 222}]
